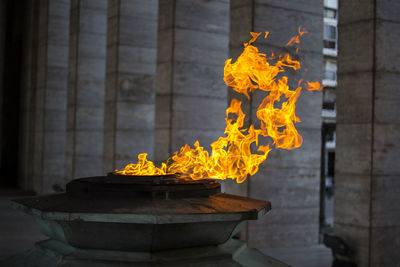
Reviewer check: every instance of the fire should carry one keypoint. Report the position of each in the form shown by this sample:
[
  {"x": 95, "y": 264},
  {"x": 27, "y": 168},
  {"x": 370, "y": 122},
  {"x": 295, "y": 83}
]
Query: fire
[
  {"x": 232, "y": 155},
  {"x": 296, "y": 39},
  {"x": 143, "y": 167}
]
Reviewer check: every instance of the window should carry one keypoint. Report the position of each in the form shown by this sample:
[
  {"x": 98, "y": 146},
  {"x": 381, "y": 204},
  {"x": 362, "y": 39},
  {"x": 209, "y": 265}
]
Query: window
[
  {"x": 328, "y": 106},
  {"x": 331, "y": 164},
  {"x": 330, "y": 36},
  {"x": 330, "y": 13},
  {"x": 329, "y": 32},
  {"x": 330, "y": 75},
  {"x": 330, "y": 68}
]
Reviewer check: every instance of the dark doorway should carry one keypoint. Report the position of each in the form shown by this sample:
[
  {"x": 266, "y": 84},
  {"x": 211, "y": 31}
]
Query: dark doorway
[{"x": 12, "y": 34}]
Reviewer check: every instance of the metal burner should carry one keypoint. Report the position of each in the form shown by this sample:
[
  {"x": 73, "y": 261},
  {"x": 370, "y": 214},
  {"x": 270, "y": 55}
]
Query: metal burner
[{"x": 126, "y": 186}]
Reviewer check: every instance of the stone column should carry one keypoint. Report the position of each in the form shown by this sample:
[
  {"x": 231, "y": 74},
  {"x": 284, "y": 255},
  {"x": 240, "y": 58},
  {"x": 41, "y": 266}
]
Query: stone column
[
  {"x": 367, "y": 176},
  {"x": 50, "y": 98},
  {"x": 87, "y": 60},
  {"x": 193, "y": 44},
  {"x": 131, "y": 67},
  {"x": 288, "y": 178},
  {"x": 241, "y": 24}
]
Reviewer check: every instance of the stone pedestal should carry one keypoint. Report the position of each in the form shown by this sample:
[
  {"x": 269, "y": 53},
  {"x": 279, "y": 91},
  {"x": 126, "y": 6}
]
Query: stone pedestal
[
  {"x": 51, "y": 253},
  {"x": 162, "y": 228}
]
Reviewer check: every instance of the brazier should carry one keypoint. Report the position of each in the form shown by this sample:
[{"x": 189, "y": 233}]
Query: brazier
[{"x": 142, "y": 221}]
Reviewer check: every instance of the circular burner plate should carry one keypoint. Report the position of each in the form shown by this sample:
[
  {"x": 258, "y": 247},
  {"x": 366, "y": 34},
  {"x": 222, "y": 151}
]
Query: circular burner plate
[
  {"x": 152, "y": 179},
  {"x": 153, "y": 187}
]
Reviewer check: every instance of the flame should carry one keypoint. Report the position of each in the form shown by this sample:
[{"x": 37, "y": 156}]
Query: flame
[
  {"x": 296, "y": 39},
  {"x": 314, "y": 86},
  {"x": 143, "y": 167},
  {"x": 232, "y": 155}
]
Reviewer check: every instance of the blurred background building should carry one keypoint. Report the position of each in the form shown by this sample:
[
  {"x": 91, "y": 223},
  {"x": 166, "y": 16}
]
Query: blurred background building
[{"x": 330, "y": 52}]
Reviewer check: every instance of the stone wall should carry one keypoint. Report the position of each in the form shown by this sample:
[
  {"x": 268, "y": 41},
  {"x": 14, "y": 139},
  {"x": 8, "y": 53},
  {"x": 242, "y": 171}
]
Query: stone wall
[{"x": 368, "y": 131}]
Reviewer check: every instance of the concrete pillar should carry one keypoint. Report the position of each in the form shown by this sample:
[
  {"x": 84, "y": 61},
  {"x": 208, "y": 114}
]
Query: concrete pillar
[
  {"x": 131, "y": 68},
  {"x": 50, "y": 98},
  {"x": 87, "y": 60},
  {"x": 288, "y": 178},
  {"x": 367, "y": 176},
  {"x": 193, "y": 44},
  {"x": 241, "y": 24}
]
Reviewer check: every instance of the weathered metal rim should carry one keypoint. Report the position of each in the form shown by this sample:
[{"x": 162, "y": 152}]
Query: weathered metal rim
[
  {"x": 140, "y": 218},
  {"x": 230, "y": 208}
]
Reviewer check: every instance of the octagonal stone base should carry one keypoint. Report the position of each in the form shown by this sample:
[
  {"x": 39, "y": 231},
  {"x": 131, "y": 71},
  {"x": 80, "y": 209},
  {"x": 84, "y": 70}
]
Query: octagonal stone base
[
  {"x": 97, "y": 231},
  {"x": 141, "y": 225},
  {"x": 51, "y": 253}
]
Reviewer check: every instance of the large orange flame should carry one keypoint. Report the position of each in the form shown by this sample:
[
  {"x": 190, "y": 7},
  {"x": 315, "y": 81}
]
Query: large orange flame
[{"x": 232, "y": 156}]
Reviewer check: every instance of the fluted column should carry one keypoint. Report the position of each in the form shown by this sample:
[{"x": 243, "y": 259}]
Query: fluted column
[
  {"x": 367, "y": 175},
  {"x": 288, "y": 178},
  {"x": 87, "y": 60},
  {"x": 50, "y": 96},
  {"x": 193, "y": 44},
  {"x": 131, "y": 68}
]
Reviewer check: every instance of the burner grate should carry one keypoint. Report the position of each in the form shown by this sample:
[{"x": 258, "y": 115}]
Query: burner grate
[{"x": 147, "y": 187}]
